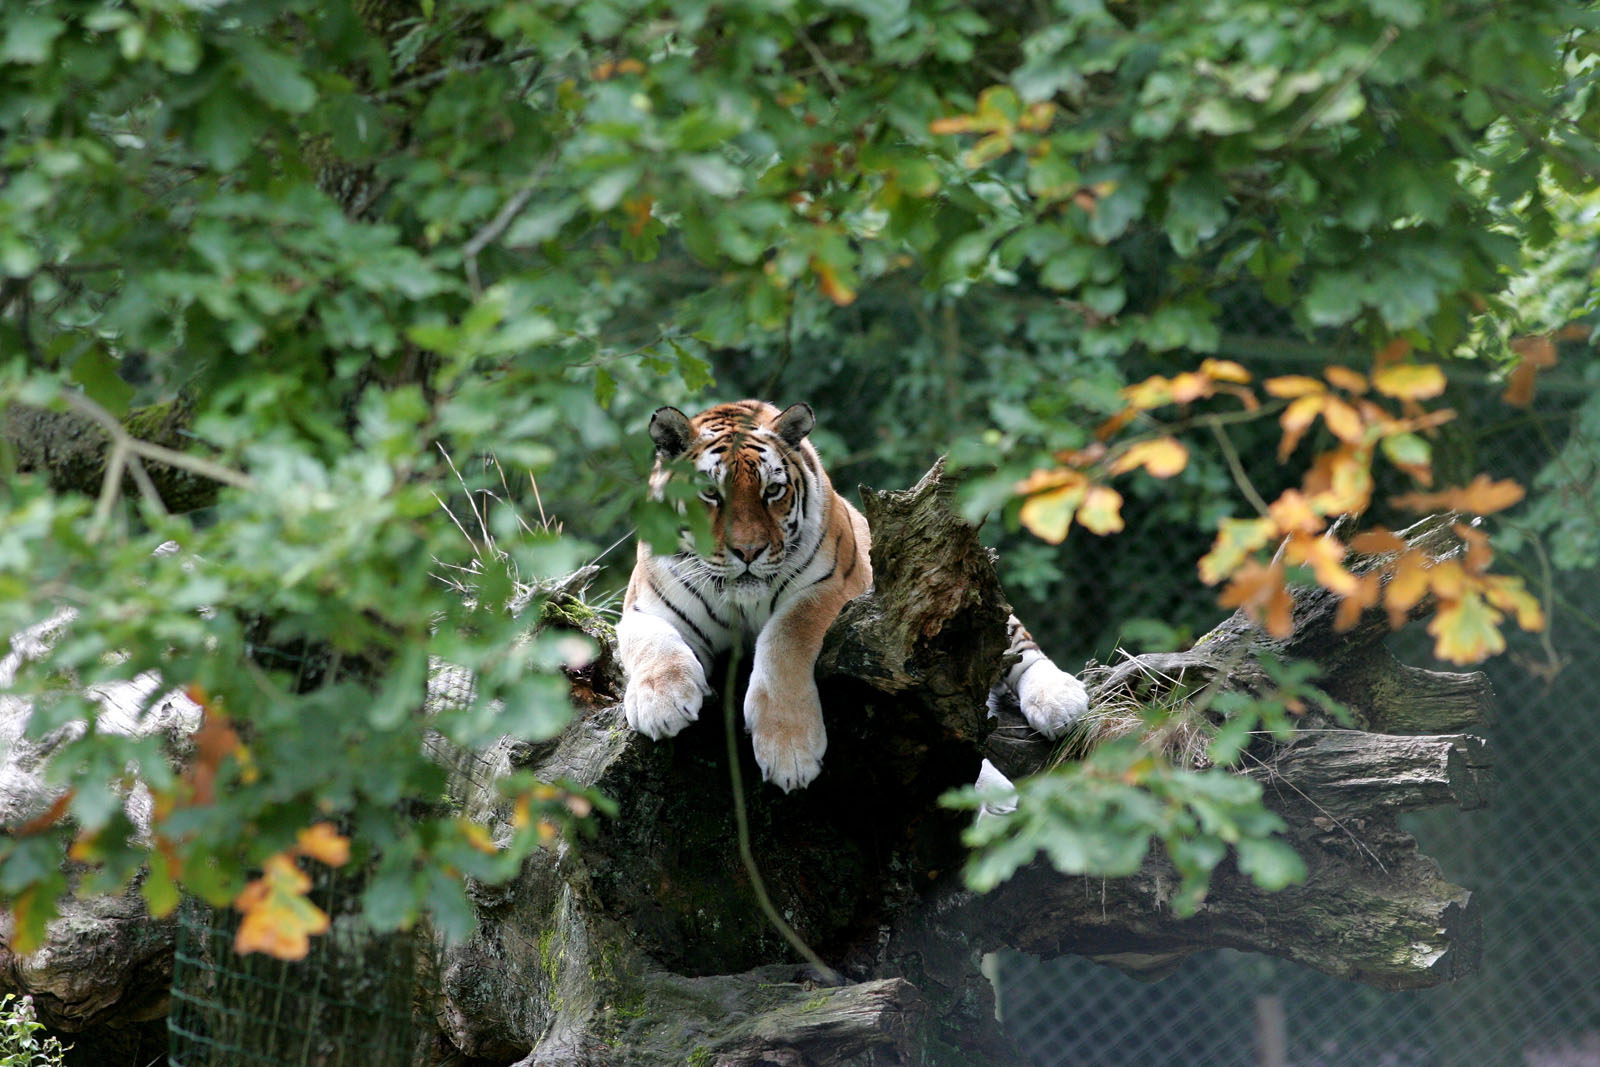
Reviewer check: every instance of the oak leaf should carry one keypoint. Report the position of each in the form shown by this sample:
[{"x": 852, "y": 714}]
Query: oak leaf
[{"x": 278, "y": 919}]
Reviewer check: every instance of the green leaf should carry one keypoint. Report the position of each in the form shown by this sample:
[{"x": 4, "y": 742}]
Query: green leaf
[
  {"x": 275, "y": 77},
  {"x": 1270, "y": 863},
  {"x": 29, "y": 37}
]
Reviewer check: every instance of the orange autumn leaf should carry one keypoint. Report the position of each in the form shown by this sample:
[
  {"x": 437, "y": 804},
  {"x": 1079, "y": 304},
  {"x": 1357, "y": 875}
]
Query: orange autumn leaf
[
  {"x": 1393, "y": 352},
  {"x": 1343, "y": 421},
  {"x": 1406, "y": 588},
  {"x": 278, "y": 919},
  {"x": 1294, "y": 385},
  {"x": 1378, "y": 542},
  {"x": 1293, "y": 512},
  {"x": 1340, "y": 481},
  {"x": 1263, "y": 595},
  {"x": 324, "y": 843},
  {"x": 1224, "y": 370},
  {"x": 1478, "y": 555},
  {"x": 1324, "y": 555},
  {"x": 1296, "y": 420},
  {"x": 1161, "y": 458},
  {"x": 1364, "y": 595},
  {"x": 1481, "y": 496},
  {"x": 1537, "y": 353},
  {"x": 1345, "y": 378}
]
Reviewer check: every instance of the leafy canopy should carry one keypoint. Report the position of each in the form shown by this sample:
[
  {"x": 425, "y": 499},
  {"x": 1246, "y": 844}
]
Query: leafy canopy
[{"x": 341, "y": 234}]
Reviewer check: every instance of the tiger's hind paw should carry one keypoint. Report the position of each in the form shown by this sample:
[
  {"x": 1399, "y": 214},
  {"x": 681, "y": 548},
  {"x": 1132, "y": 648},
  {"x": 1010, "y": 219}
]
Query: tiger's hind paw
[
  {"x": 662, "y": 702},
  {"x": 1051, "y": 699}
]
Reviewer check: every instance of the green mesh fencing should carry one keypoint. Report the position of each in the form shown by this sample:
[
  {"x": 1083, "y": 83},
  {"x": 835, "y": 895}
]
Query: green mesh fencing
[
  {"x": 356, "y": 1000},
  {"x": 1529, "y": 859}
]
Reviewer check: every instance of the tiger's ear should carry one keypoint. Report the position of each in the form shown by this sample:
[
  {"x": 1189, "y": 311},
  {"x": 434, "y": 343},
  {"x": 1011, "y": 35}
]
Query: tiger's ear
[
  {"x": 669, "y": 429},
  {"x": 796, "y": 421}
]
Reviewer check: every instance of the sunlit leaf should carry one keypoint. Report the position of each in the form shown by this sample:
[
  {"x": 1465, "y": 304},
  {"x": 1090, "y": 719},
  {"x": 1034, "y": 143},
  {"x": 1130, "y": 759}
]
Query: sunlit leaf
[
  {"x": 277, "y": 918},
  {"x": 1101, "y": 510},
  {"x": 1466, "y": 631},
  {"x": 1162, "y": 457},
  {"x": 1409, "y": 381}
]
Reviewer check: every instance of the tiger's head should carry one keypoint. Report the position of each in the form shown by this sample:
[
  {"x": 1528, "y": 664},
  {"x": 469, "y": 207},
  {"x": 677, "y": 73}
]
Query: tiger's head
[{"x": 759, "y": 479}]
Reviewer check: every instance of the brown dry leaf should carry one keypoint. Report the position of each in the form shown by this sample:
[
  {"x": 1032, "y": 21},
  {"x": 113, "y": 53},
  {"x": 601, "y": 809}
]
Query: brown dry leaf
[
  {"x": 1537, "y": 352},
  {"x": 1481, "y": 496},
  {"x": 1378, "y": 542}
]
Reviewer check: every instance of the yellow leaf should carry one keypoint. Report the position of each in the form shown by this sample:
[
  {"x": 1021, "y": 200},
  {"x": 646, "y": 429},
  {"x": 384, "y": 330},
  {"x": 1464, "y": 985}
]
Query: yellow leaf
[
  {"x": 1295, "y": 385},
  {"x": 277, "y": 918},
  {"x": 1508, "y": 594},
  {"x": 1343, "y": 421},
  {"x": 323, "y": 842},
  {"x": 1101, "y": 510},
  {"x": 1236, "y": 539},
  {"x": 1293, "y": 512},
  {"x": 1466, "y": 630},
  {"x": 1162, "y": 457},
  {"x": 1224, "y": 370},
  {"x": 1048, "y": 515},
  {"x": 1406, "y": 588},
  {"x": 477, "y": 836},
  {"x": 1324, "y": 555},
  {"x": 1345, "y": 378},
  {"x": 1154, "y": 392},
  {"x": 1296, "y": 419},
  {"x": 1409, "y": 381},
  {"x": 29, "y": 922}
]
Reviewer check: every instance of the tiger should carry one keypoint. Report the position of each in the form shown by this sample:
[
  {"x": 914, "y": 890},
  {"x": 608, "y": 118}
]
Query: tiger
[{"x": 787, "y": 552}]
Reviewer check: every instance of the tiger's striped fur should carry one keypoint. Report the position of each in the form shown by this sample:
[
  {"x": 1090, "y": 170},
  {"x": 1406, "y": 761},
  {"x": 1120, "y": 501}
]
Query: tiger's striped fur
[{"x": 788, "y": 552}]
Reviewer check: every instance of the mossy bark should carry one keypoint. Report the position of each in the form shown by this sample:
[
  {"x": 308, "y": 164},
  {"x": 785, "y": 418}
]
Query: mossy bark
[
  {"x": 71, "y": 452},
  {"x": 646, "y": 946}
]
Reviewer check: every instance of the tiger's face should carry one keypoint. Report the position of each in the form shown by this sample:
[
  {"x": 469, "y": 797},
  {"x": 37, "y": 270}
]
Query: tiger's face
[{"x": 756, "y": 474}]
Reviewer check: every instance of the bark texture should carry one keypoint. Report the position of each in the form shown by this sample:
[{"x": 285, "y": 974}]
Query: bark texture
[{"x": 646, "y": 946}]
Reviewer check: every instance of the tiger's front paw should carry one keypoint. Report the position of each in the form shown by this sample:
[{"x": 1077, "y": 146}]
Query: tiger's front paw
[
  {"x": 1051, "y": 699},
  {"x": 663, "y": 699},
  {"x": 788, "y": 735}
]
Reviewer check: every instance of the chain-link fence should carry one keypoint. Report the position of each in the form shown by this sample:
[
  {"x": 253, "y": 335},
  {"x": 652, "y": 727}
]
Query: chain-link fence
[{"x": 1529, "y": 859}]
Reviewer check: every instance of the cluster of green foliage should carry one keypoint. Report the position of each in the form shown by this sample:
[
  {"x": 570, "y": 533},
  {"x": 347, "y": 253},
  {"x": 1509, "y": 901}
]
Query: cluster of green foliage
[
  {"x": 21, "y": 1043},
  {"x": 348, "y": 233}
]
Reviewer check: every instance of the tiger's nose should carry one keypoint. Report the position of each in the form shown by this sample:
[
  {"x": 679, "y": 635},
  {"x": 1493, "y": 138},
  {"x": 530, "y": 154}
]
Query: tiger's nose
[{"x": 747, "y": 553}]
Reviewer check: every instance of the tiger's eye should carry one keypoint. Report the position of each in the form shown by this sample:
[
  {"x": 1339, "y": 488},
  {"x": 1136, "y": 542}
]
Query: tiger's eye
[{"x": 774, "y": 492}]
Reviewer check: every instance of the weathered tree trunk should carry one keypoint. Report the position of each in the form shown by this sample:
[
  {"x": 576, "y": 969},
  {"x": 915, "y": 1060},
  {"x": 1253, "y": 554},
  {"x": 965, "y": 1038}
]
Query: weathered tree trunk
[{"x": 646, "y": 945}]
